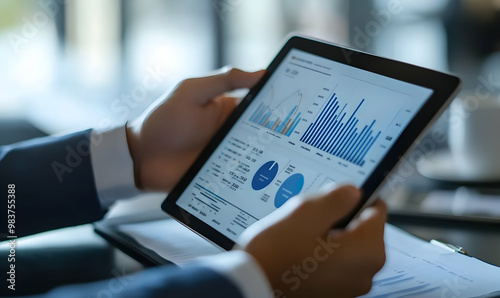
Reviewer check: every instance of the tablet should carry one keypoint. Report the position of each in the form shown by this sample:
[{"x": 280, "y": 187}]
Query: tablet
[{"x": 322, "y": 113}]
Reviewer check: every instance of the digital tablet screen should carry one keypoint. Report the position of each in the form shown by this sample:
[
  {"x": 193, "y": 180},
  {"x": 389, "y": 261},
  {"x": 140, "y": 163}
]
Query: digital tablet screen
[{"x": 315, "y": 121}]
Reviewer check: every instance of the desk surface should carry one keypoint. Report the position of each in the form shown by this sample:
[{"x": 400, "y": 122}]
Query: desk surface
[{"x": 77, "y": 254}]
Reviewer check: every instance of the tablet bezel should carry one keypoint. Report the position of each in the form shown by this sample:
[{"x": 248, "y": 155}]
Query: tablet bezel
[{"x": 444, "y": 88}]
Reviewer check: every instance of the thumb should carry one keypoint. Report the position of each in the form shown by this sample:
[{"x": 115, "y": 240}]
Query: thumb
[
  {"x": 322, "y": 211},
  {"x": 226, "y": 106},
  {"x": 313, "y": 215},
  {"x": 218, "y": 84}
]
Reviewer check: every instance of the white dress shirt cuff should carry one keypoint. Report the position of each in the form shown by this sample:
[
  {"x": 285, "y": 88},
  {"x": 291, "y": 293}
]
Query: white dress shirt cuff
[
  {"x": 113, "y": 166},
  {"x": 243, "y": 270}
]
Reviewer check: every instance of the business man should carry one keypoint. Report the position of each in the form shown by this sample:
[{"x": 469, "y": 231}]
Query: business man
[{"x": 72, "y": 180}]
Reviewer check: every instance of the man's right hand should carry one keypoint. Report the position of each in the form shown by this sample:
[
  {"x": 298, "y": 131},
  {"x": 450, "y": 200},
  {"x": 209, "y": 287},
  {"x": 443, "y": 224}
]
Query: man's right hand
[{"x": 303, "y": 257}]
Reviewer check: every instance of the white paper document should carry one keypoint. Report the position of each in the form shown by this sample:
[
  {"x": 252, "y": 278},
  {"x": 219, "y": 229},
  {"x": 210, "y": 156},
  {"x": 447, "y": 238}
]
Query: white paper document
[
  {"x": 417, "y": 268},
  {"x": 414, "y": 267}
]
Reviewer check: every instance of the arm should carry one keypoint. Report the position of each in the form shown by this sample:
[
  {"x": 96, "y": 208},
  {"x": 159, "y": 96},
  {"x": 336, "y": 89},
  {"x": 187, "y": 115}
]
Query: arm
[
  {"x": 56, "y": 178},
  {"x": 165, "y": 141},
  {"x": 54, "y": 183},
  {"x": 196, "y": 281}
]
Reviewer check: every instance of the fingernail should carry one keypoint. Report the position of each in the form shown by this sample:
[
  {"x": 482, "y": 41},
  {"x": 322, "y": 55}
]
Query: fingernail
[
  {"x": 323, "y": 190},
  {"x": 329, "y": 187}
]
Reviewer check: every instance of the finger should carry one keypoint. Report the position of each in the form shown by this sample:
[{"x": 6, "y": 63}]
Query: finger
[
  {"x": 227, "y": 105},
  {"x": 205, "y": 89},
  {"x": 377, "y": 210},
  {"x": 371, "y": 219},
  {"x": 322, "y": 212}
]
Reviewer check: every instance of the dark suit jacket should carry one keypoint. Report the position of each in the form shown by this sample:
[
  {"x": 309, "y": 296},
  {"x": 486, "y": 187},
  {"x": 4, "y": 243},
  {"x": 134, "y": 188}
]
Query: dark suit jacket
[{"x": 55, "y": 188}]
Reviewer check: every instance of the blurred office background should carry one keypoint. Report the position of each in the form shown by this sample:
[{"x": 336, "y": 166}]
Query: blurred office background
[{"x": 72, "y": 64}]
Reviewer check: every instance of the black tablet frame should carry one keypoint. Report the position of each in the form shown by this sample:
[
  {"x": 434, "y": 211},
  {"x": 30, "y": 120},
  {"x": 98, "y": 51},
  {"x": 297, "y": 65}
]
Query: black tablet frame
[{"x": 444, "y": 87}]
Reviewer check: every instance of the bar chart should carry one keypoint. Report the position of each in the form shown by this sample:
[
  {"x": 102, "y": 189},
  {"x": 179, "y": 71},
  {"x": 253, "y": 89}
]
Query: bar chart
[
  {"x": 338, "y": 134},
  {"x": 277, "y": 118}
]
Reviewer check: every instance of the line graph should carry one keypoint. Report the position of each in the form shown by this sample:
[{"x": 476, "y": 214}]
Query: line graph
[{"x": 277, "y": 115}]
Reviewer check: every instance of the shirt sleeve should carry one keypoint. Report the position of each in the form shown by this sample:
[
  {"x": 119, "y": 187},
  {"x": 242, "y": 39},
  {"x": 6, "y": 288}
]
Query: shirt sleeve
[
  {"x": 112, "y": 165},
  {"x": 243, "y": 270}
]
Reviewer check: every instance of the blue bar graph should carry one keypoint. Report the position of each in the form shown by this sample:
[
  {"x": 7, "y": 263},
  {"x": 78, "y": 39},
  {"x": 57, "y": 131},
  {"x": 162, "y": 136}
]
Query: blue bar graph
[{"x": 338, "y": 134}]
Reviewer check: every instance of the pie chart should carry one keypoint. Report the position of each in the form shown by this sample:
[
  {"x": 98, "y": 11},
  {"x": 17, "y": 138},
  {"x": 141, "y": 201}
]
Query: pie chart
[
  {"x": 265, "y": 175},
  {"x": 291, "y": 187}
]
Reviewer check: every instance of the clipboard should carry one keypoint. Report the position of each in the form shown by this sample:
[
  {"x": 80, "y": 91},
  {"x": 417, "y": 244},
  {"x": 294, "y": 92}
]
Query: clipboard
[
  {"x": 449, "y": 247},
  {"x": 109, "y": 230},
  {"x": 154, "y": 238}
]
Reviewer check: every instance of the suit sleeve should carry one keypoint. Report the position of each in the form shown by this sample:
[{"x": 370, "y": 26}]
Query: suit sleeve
[
  {"x": 54, "y": 183},
  {"x": 170, "y": 281}
]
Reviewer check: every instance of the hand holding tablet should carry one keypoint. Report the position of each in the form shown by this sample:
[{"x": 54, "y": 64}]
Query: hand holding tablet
[
  {"x": 169, "y": 136},
  {"x": 320, "y": 114},
  {"x": 303, "y": 257}
]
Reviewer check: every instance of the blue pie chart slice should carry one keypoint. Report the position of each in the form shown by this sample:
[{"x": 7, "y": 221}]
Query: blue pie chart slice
[
  {"x": 265, "y": 175},
  {"x": 291, "y": 187}
]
